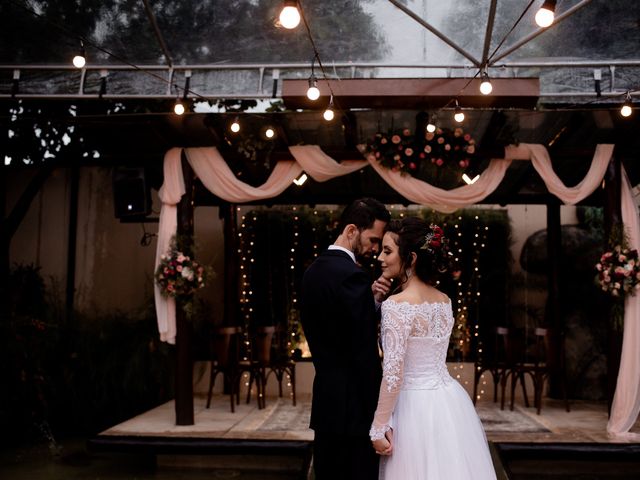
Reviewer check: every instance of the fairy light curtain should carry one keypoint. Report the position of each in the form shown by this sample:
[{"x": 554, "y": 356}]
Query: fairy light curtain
[{"x": 212, "y": 170}]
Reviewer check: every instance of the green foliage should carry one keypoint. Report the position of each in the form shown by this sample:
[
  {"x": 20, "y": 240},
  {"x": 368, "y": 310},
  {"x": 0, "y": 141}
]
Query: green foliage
[
  {"x": 75, "y": 376},
  {"x": 195, "y": 31}
]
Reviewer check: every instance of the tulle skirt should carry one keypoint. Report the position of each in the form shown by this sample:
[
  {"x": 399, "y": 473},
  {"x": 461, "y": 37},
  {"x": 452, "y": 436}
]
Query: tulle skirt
[{"x": 437, "y": 435}]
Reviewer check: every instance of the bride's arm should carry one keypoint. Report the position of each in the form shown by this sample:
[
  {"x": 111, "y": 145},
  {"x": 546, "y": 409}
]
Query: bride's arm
[{"x": 395, "y": 332}]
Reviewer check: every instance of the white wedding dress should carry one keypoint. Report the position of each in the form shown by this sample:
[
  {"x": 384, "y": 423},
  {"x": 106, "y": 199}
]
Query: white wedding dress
[{"x": 437, "y": 434}]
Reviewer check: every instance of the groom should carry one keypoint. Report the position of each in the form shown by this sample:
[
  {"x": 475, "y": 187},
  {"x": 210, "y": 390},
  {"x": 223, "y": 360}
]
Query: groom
[{"x": 340, "y": 322}]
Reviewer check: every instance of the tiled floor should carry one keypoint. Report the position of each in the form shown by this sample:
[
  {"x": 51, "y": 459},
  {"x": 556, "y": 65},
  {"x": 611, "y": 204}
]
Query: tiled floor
[{"x": 280, "y": 421}]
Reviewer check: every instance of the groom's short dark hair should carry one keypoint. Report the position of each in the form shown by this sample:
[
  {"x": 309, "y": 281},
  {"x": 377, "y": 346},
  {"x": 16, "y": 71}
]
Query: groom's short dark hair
[{"x": 362, "y": 213}]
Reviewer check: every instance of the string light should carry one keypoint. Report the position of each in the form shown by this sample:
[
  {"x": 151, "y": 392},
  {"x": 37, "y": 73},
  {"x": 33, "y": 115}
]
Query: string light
[
  {"x": 178, "y": 108},
  {"x": 235, "y": 125},
  {"x": 431, "y": 125},
  {"x": 627, "y": 109},
  {"x": 313, "y": 93},
  {"x": 80, "y": 60},
  {"x": 328, "y": 113},
  {"x": 269, "y": 133},
  {"x": 458, "y": 115},
  {"x": 290, "y": 15},
  {"x": 485, "y": 86},
  {"x": 546, "y": 14}
]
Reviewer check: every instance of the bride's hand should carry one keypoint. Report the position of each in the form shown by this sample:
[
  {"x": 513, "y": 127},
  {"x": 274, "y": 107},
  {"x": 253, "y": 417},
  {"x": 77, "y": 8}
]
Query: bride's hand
[
  {"x": 380, "y": 288},
  {"x": 382, "y": 446}
]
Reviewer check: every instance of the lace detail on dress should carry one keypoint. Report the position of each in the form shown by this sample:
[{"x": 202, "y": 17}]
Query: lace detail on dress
[
  {"x": 377, "y": 433},
  {"x": 415, "y": 338},
  {"x": 401, "y": 322}
]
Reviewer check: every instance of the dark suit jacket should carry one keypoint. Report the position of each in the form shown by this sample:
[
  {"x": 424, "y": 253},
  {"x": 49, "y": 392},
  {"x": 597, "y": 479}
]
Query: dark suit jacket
[{"x": 340, "y": 323}]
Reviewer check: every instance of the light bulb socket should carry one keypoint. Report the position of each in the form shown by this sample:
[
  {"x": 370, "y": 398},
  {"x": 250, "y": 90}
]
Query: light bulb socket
[
  {"x": 549, "y": 5},
  {"x": 313, "y": 81}
]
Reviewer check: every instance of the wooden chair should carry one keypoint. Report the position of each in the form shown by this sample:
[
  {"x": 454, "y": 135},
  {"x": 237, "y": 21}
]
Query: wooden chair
[
  {"x": 496, "y": 365},
  {"x": 258, "y": 363},
  {"x": 282, "y": 364},
  {"x": 224, "y": 360},
  {"x": 542, "y": 366}
]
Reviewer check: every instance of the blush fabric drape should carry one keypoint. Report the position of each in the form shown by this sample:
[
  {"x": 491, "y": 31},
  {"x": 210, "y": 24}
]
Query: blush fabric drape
[{"x": 211, "y": 168}]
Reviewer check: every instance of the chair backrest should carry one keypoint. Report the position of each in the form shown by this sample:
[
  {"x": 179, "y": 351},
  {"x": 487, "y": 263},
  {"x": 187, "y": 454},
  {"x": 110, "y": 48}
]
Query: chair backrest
[
  {"x": 222, "y": 342},
  {"x": 502, "y": 344},
  {"x": 261, "y": 340}
]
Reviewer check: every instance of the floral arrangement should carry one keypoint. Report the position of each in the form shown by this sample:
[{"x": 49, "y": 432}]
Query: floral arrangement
[
  {"x": 619, "y": 271},
  {"x": 438, "y": 246},
  {"x": 402, "y": 152},
  {"x": 178, "y": 275}
]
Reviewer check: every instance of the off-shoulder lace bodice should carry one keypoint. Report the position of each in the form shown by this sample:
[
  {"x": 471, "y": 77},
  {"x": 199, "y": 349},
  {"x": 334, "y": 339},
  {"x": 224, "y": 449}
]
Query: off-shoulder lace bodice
[{"x": 415, "y": 339}]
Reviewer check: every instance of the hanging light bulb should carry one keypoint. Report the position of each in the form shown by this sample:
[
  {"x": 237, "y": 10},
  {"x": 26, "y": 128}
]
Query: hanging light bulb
[
  {"x": 290, "y": 15},
  {"x": 485, "y": 86},
  {"x": 626, "y": 109},
  {"x": 313, "y": 93},
  {"x": 431, "y": 125},
  {"x": 328, "y": 113},
  {"x": 235, "y": 125},
  {"x": 178, "y": 108},
  {"x": 269, "y": 133},
  {"x": 546, "y": 14},
  {"x": 458, "y": 115},
  {"x": 80, "y": 60}
]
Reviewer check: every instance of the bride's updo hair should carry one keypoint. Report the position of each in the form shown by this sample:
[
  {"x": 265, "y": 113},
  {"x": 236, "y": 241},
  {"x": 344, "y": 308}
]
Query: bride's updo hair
[{"x": 429, "y": 244}]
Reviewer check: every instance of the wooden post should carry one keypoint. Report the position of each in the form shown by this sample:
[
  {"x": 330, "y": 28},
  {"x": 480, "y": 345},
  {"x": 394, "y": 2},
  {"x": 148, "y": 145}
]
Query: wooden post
[
  {"x": 612, "y": 219},
  {"x": 552, "y": 309},
  {"x": 229, "y": 213},
  {"x": 184, "y": 328},
  {"x": 72, "y": 242}
]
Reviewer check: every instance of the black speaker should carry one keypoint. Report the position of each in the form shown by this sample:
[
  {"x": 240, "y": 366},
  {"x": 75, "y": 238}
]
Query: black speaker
[{"x": 131, "y": 194}]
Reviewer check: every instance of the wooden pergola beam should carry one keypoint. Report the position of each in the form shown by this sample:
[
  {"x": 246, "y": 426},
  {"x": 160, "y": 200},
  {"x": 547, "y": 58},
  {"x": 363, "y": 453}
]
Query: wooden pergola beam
[{"x": 413, "y": 93}]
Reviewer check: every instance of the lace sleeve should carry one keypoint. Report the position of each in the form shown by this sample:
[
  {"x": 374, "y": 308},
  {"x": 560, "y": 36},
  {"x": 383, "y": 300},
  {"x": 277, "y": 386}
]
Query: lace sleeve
[{"x": 396, "y": 326}]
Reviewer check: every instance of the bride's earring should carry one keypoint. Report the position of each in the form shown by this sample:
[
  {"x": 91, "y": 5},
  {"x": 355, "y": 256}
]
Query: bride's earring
[{"x": 408, "y": 273}]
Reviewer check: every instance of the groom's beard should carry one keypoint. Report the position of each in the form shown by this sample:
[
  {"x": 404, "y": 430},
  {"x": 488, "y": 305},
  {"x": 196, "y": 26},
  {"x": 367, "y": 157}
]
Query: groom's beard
[{"x": 358, "y": 250}]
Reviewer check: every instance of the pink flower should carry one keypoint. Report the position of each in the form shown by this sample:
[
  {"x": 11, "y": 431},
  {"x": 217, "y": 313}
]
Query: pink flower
[
  {"x": 396, "y": 157},
  {"x": 471, "y": 149},
  {"x": 412, "y": 166},
  {"x": 427, "y": 148},
  {"x": 408, "y": 152},
  {"x": 447, "y": 147},
  {"x": 457, "y": 132},
  {"x": 439, "y": 131},
  {"x": 461, "y": 163},
  {"x": 179, "y": 268},
  {"x": 467, "y": 137},
  {"x": 433, "y": 160},
  {"x": 429, "y": 136},
  {"x": 439, "y": 162},
  {"x": 377, "y": 154},
  {"x": 440, "y": 140},
  {"x": 383, "y": 141},
  {"x": 395, "y": 139},
  {"x": 422, "y": 155},
  {"x": 406, "y": 132},
  {"x": 181, "y": 258}
]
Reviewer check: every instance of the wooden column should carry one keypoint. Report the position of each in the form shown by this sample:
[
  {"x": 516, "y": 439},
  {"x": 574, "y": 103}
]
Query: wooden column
[
  {"x": 184, "y": 328},
  {"x": 553, "y": 320},
  {"x": 229, "y": 213},
  {"x": 612, "y": 220},
  {"x": 72, "y": 233}
]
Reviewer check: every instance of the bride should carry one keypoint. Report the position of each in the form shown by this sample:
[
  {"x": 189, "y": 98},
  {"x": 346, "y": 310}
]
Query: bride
[{"x": 425, "y": 426}]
